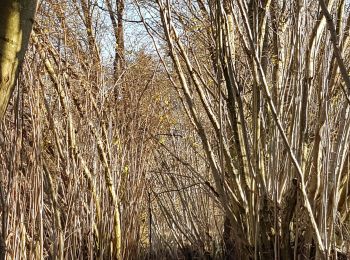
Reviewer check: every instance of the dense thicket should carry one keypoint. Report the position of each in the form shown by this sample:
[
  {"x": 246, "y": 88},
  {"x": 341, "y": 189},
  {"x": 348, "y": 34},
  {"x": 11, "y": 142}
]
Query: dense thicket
[{"x": 194, "y": 129}]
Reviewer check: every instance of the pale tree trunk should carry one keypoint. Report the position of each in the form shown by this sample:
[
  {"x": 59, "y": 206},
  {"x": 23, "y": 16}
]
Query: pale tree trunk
[{"x": 16, "y": 21}]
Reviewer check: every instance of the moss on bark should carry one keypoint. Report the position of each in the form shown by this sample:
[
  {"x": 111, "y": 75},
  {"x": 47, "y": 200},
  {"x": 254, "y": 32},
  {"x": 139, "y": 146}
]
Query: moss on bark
[{"x": 16, "y": 21}]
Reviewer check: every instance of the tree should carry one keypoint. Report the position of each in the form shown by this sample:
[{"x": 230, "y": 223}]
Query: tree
[
  {"x": 277, "y": 173},
  {"x": 16, "y": 19},
  {"x": 228, "y": 138}
]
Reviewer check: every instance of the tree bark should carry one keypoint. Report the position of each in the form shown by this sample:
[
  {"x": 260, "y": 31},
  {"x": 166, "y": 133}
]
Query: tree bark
[
  {"x": 16, "y": 21},
  {"x": 118, "y": 29}
]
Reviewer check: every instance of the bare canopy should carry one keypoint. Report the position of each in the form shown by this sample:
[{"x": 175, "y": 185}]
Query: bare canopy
[{"x": 16, "y": 20}]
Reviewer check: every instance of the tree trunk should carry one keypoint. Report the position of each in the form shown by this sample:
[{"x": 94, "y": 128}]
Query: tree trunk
[
  {"x": 16, "y": 21},
  {"x": 116, "y": 17}
]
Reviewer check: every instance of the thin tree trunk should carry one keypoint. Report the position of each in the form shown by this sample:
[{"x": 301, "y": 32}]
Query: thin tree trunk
[{"x": 118, "y": 30}]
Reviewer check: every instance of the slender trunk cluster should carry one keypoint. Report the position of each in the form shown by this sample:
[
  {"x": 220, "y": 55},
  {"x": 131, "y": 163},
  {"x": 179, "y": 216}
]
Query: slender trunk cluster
[{"x": 220, "y": 131}]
